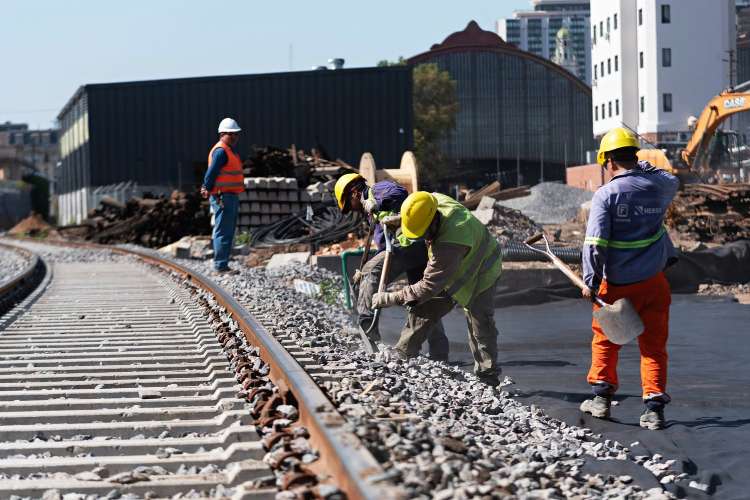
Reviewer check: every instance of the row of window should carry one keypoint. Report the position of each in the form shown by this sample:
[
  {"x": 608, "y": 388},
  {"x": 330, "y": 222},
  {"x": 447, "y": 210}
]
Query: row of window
[
  {"x": 606, "y": 110},
  {"x": 666, "y": 18},
  {"x": 599, "y": 68},
  {"x": 666, "y": 62}
]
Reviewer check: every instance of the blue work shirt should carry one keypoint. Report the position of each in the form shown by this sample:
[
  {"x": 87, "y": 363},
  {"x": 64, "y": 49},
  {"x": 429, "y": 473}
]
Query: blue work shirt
[
  {"x": 389, "y": 196},
  {"x": 219, "y": 158},
  {"x": 625, "y": 237}
]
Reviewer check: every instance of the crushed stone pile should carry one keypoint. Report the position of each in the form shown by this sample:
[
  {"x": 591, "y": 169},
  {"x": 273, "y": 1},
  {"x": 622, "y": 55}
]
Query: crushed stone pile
[
  {"x": 33, "y": 225},
  {"x": 550, "y": 202}
]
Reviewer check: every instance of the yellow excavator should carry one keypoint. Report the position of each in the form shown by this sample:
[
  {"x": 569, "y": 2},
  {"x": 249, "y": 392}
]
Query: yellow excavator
[{"x": 708, "y": 149}]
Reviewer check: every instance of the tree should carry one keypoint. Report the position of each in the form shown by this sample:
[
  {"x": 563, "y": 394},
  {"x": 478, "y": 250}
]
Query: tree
[
  {"x": 435, "y": 108},
  {"x": 385, "y": 62}
]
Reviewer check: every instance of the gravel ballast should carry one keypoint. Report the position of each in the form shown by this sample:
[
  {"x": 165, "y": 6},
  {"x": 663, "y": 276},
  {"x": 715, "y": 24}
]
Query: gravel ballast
[{"x": 11, "y": 264}]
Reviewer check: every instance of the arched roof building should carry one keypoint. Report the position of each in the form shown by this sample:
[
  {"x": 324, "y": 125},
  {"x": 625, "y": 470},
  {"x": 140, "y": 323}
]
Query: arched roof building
[{"x": 515, "y": 109}]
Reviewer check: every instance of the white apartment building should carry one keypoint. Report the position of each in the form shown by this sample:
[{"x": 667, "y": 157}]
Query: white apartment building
[
  {"x": 655, "y": 63},
  {"x": 536, "y": 31}
]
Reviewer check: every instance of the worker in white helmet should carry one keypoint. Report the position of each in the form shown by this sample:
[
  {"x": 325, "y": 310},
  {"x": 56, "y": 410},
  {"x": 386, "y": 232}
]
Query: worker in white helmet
[{"x": 222, "y": 183}]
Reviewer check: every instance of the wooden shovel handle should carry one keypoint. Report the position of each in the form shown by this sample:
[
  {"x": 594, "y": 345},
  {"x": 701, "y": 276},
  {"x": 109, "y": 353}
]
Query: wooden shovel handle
[
  {"x": 534, "y": 239},
  {"x": 384, "y": 273}
]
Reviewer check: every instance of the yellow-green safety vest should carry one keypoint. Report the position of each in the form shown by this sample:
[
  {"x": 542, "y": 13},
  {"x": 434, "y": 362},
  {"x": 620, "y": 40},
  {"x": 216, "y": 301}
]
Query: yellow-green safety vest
[{"x": 481, "y": 267}]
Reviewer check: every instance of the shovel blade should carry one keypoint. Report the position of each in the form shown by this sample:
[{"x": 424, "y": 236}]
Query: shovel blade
[
  {"x": 368, "y": 344},
  {"x": 620, "y": 321}
]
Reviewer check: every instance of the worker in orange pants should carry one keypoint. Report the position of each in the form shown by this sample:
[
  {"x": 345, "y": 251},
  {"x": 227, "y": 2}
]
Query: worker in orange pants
[
  {"x": 651, "y": 298},
  {"x": 624, "y": 255}
]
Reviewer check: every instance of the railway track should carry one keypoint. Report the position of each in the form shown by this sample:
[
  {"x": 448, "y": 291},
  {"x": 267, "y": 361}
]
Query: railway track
[{"x": 133, "y": 377}]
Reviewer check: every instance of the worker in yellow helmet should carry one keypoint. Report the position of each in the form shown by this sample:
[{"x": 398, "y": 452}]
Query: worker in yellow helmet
[
  {"x": 383, "y": 201},
  {"x": 624, "y": 255},
  {"x": 464, "y": 265}
]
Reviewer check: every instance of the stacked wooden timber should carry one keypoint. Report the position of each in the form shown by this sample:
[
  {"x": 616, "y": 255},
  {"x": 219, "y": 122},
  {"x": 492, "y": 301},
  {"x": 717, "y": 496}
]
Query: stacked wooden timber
[
  {"x": 494, "y": 190},
  {"x": 712, "y": 213},
  {"x": 152, "y": 222}
]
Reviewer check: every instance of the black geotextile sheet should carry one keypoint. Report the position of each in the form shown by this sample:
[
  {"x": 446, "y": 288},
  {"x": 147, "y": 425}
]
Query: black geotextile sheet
[
  {"x": 546, "y": 350},
  {"x": 728, "y": 264}
]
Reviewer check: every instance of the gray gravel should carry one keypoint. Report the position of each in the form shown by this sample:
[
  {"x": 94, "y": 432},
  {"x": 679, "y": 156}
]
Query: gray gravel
[
  {"x": 550, "y": 202},
  {"x": 11, "y": 263},
  {"x": 438, "y": 431}
]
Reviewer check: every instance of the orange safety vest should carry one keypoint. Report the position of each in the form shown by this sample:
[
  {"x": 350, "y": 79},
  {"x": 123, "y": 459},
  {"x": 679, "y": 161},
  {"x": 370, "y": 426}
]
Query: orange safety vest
[{"x": 230, "y": 178}]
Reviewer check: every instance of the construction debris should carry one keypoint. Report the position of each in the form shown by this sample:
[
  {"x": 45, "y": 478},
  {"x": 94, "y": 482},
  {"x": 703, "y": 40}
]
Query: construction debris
[
  {"x": 712, "y": 213},
  {"x": 189, "y": 247},
  {"x": 270, "y": 161},
  {"x": 151, "y": 222},
  {"x": 505, "y": 223}
]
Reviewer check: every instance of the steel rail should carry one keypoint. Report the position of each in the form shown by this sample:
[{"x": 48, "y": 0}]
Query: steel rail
[
  {"x": 343, "y": 456},
  {"x": 18, "y": 287}
]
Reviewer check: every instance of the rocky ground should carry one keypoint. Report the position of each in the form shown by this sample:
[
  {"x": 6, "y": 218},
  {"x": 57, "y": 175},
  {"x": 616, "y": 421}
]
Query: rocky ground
[
  {"x": 438, "y": 431},
  {"x": 11, "y": 263}
]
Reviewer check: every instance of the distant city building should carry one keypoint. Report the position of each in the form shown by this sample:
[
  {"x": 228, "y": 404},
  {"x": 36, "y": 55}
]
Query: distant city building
[
  {"x": 518, "y": 113},
  {"x": 645, "y": 76},
  {"x": 536, "y": 31},
  {"x": 25, "y": 151}
]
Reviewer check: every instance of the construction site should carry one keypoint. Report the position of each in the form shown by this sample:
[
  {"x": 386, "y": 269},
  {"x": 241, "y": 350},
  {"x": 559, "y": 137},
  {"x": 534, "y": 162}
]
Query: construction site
[{"x": 464, "y": 274}]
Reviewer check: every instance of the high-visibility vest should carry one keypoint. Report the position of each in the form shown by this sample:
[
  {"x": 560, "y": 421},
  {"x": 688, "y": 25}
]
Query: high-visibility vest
[
  {"x": 230, "y": 178},
  {"x": 482, "y": 265}
]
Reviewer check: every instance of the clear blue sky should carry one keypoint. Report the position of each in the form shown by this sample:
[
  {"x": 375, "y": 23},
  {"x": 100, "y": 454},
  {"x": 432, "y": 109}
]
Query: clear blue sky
[{"x": 50, "y": 47}]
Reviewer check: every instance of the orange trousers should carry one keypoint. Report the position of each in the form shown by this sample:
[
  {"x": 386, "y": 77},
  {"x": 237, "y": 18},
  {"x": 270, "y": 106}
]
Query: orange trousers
[{"x": 651, "y": 298}]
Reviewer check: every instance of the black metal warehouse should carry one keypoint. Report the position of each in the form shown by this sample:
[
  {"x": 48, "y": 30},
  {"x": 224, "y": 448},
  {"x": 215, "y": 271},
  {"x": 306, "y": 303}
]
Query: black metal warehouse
[{"x": 157, "y": 132}]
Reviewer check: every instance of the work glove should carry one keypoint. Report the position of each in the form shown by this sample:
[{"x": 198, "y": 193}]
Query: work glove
[
  {"x": 357, "y": 277},
  {"x": 385, "y": 299},
  {"x": 392, "y": 221},
  {"x": 370, "y": 205}
]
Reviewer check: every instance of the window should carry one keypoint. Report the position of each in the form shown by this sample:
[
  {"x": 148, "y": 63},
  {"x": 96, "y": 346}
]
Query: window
[
  {"x": 596, "y": 67},
  {"x": 640, "y": 59},
  {"x": 666, "y": 58},
  {"x": 603, "y": 111},
  {"x": 596, "y": 113},
  {"x": 617, "y": 63},
  {"x": 617, "y": 107},
  {"x": 614, "y": 21},
  {"x": 610, "y": 109},
  {"x": 667, "y": 102},
  {"x": 593, "y": 38},
  {"x": 640, "y": 17},
  {"x": 609, "y": 66},
  {"x": 643, "y": 104},
  {"x": 608, "y": 26},
  {"x": 601, "y": 68},
  {"x": 666, "y": 14},
  {"x": 601, "y": 28}
]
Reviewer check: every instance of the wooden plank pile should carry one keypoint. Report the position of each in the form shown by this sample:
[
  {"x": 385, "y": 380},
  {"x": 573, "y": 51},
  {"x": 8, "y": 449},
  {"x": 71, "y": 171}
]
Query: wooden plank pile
[
  {"x": 152, "y": 222},
  {"x": 494, "y": 190},
  {"x": 712, "y": 213}
]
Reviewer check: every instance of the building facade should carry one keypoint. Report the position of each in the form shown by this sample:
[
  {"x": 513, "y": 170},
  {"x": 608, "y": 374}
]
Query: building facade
[
  {"x": 158, "y": 133},
  {"x": 650, "y": 72},
  {"x": 521, "y": 118},
  {"x": 536, "y": 31}
]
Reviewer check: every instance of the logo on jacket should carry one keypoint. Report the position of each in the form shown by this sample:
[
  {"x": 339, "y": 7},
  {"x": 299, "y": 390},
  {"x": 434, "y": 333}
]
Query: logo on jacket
[
  {"x": 623, "y": 210},
  {"x": 641, "y": 210}
]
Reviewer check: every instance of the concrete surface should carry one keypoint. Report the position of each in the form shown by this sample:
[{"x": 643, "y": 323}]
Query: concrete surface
[{"x": 545, "y": 349}]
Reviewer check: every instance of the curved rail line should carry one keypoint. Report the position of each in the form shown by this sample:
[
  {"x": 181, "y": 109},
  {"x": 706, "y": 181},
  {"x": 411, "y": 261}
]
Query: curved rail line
[
  {"x": 342, "y": 456},
  {"x": 21, "y": 285}
]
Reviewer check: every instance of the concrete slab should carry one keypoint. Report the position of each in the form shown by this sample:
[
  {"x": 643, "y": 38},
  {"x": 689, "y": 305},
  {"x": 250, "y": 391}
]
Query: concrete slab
[{"x": 283, "y": 259}]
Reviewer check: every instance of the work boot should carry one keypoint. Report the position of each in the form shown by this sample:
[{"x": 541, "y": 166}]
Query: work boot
[
  {"x": 597, "y": 407},
  {"x": 490, "y": 379},
  {"x": 653, "y": 420}
]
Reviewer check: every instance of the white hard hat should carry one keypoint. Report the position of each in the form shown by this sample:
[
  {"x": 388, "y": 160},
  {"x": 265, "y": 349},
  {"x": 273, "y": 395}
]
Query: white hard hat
[{"x": 229, "y": 125}]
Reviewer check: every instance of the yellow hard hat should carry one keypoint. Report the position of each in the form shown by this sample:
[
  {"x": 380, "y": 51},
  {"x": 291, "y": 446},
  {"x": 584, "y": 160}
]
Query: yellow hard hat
[
  {"x": 417, "y": 213},
  {"x": 615, "y": 139},
  {"x": 340, "y": 188}
]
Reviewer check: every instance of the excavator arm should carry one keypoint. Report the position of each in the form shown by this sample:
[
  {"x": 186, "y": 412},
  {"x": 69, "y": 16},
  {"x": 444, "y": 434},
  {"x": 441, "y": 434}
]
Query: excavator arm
[{"x": 716, "y": 111}]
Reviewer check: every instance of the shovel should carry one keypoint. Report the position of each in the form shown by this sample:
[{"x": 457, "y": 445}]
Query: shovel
[
  {"x": 367, "y": 343},
  {"x": 619, "y": 321}
]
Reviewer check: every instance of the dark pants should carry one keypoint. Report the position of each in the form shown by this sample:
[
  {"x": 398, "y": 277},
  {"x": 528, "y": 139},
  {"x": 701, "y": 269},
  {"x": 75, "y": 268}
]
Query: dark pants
[
  {"x": 480, "y": 321},
  {"x": 411, "y": 260}
]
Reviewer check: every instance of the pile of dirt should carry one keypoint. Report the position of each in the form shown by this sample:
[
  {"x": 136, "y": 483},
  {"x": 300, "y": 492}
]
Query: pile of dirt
[{"x": 34, "y": 225}]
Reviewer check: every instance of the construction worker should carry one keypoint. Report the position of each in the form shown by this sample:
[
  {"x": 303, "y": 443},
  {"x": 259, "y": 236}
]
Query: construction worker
[
  {"x": 464, "y": 265},
  {"x": 379, "y": 202},
  {"x": 625, "y": 252},
  {"x": 222, "y": 183}
]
